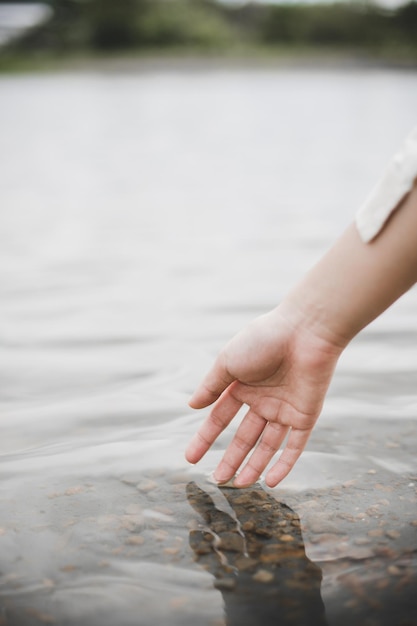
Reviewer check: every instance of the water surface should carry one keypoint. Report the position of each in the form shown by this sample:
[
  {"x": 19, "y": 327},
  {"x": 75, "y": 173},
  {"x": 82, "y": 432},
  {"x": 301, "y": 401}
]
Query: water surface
[{"x": 147, "y": 214}]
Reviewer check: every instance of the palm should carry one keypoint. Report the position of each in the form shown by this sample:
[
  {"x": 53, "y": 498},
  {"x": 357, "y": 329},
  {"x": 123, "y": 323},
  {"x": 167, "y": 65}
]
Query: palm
[{"x": 282, "y": 378}]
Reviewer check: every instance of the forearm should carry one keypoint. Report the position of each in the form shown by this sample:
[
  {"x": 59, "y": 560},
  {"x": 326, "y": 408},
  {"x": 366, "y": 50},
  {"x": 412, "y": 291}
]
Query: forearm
[{"x": 355, "y": 282}]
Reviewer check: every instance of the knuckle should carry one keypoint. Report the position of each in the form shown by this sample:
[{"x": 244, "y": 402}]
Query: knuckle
[
  {"x": 204, "y": 439},
  {"x": 216, "y": 420},
  {"x": 264, "y": 446},
  {"x": 241, "y": 444},
  {"x": 285, "y": 463},
  {"x": 255, "y": 468}
]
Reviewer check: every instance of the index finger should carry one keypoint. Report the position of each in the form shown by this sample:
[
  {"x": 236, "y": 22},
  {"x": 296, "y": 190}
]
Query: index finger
[{"x": 219, "y": 417}]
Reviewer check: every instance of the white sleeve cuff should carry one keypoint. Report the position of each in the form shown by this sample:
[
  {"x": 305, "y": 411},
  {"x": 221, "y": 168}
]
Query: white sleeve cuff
[{"x": 389, "y": 191}]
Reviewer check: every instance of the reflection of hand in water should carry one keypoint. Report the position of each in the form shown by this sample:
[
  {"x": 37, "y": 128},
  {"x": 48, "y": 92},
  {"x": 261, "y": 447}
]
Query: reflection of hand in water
[{"x": 258, "y": 559}]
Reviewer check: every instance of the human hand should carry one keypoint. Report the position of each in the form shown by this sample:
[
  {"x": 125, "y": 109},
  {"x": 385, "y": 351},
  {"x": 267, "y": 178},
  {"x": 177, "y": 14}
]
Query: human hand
[{"x": 281, "y": 370}]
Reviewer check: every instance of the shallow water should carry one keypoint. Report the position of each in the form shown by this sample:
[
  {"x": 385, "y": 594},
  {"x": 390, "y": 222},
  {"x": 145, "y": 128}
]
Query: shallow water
[{"x": 146, "y": 214}]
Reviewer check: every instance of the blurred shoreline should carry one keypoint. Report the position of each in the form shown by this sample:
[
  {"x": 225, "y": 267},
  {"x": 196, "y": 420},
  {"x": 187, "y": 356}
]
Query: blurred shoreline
[
  {"x": 181, "y": 33},
  {"x": 197, "y": 60}
]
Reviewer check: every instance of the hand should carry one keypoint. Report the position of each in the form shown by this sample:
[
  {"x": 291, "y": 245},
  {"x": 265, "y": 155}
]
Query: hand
[{"x": 281, "y": 370}]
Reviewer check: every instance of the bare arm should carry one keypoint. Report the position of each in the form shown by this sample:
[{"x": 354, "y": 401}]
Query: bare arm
[
  {"x": 281, "y": 365},
  {"x": 355, "y": 282}
]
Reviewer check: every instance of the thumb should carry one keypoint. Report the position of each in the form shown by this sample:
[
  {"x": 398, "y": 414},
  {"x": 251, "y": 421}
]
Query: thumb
[{"x": 212, "y": 386}]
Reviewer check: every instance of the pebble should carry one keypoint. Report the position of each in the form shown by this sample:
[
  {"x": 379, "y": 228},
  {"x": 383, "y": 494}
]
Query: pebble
[
  {"x": 393, "y": 534},
  {"x": 351, "y": 604},
  {"x": 198, "y": 543},
  {"x": 382, "y": 584},
  {"x": 263, "y": 576},
  {"x": 164, "y": 510},
  {"x": 68, "y": 568},
  {"x": 360, "y": 552},
  {"x": 160, "y": 535},
  {"x": 72, "y": 491},
  {"x": 386, "y": 488},
  {"x": 46, "y": 618},
  {"x": 233, "y": 542},
  {"x": 245, "y": 563},
  {"x": 264, "y": 532},
  {"x": 326, "y": 538},
  {"x": 384, "y": 551},
  {"x": 361, "y": 541},
  {"x": 145, "y": 486},
  {"x": 130, "y": 479},
  {"x": 179, "y": 478},
  {"x": 271, "y": 554},
  {"x": 127, "y": 523},
  {"x": 225, "y": 584},
  {"x": 157, "y": 472},
  {"x": 171, "y": 551},
  {"x": 320, "y": 523},
  {"x": 135, "y": 540},
  {"x": 133, "y": 509},
  {"x": 393, "y": 570},
  {"x": 52, "y": 495}
]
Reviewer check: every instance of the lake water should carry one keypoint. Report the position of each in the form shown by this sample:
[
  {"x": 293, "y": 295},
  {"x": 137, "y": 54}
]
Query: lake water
[{"x": 148, "y": 211}]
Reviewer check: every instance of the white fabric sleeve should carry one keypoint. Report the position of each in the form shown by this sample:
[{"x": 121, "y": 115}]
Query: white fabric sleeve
[{"x": 396, "y": 182}]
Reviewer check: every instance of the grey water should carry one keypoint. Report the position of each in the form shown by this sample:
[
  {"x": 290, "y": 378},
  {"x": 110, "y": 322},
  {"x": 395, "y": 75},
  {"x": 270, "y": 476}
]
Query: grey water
[{"x": 147, "y": 213}]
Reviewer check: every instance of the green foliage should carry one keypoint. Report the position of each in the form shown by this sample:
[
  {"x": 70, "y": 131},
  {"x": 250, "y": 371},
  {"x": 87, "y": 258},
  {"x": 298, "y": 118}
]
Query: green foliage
[
  {"x": 108, "y": 25},
  {"x": 112, "y": 24},
  {"x": 342, "y": 24},
  {"x": 183, "y": 22},
  {"x": 128, "y": 24}
]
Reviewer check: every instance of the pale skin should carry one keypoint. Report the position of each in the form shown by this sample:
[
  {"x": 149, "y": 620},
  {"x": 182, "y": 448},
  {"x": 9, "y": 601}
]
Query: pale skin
[{"x": 281, "y": 364}]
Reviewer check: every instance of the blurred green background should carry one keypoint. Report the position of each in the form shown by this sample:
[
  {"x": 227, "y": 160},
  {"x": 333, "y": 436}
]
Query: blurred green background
[{"x": 67, "y": 28}]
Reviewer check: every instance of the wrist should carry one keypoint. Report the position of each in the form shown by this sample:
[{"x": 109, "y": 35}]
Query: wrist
[
  {"x": 340, "y": 295},
  {"x": 311, "y": 320}
]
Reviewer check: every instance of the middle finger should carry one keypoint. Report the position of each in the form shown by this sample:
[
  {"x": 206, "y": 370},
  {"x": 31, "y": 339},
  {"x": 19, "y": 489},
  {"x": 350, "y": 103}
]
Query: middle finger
[{"x": 272, "y": 438}]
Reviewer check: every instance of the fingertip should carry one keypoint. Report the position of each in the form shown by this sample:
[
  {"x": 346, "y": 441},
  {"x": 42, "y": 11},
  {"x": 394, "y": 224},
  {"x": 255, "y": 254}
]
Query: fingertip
[
  {"x": 242, "y": 480},
  {"x": 243, "y": 485},
  {"x": 222, "y": 478},
  {"x": 192, "y": 454},
  {"x": 273, "y": 478},
  {"x": 195, "y": 451},
  {"x": 200, "y": 400},
  {"x": 271, "y": 482},
  {"x": 191, "y": 400}
]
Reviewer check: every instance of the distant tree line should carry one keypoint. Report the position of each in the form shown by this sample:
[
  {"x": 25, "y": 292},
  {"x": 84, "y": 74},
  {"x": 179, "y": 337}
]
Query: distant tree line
[
  {"x": 108, "y": 25},
  {"x": 353, "y": 24}
]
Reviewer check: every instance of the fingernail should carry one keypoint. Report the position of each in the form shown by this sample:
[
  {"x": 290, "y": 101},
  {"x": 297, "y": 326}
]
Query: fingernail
[
  {"x": 241, "y": 482},
  {"x": 220, "y": 477}
]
